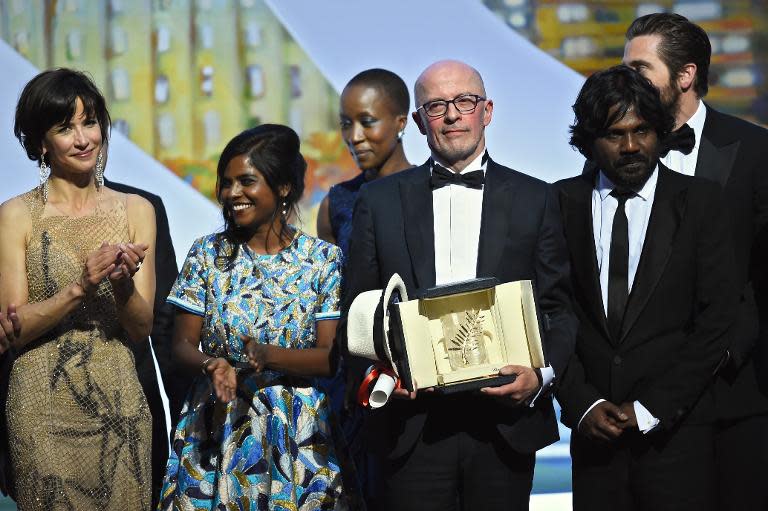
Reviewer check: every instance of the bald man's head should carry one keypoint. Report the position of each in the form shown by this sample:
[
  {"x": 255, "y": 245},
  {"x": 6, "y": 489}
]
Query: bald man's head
[
  {"x": 455, "y": 137},
  {"x": 447, "y": 70}
]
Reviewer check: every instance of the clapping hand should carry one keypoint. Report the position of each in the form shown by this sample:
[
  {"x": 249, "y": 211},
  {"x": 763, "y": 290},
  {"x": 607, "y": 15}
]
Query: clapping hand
[
  {"x": 128, "y": 260},
  {"x": 98, "y": 264},
  {"x": 10, "y": 328},
  {"x": 257, "y": 353},
  {"x": 223, "y": 378}
]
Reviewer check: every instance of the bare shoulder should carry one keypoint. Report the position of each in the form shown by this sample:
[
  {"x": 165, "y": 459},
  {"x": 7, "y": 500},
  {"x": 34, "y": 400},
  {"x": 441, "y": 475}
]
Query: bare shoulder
[
  {"x": 15, "y": 213},
  {"x": 138, "y": 204}
]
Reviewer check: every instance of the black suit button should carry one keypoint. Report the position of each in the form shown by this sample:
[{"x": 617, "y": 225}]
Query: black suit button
[{"x": 617, "y": 360}]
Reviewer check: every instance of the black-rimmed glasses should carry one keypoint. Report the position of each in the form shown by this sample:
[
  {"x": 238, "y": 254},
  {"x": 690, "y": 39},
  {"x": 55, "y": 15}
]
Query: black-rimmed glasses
[{"x": 465, "y": 104}]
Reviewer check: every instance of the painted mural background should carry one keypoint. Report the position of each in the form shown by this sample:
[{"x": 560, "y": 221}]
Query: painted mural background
[{"x": 182, "y": 77}]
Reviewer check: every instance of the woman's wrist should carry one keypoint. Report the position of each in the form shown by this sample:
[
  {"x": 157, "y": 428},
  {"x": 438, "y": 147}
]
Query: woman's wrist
[
  {"x": 205, "y": 364},
  {"x": 123, "y": 289},
  {"x": 77, "y": 291}
]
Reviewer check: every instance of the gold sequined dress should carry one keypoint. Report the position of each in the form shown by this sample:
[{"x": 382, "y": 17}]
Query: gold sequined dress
[{"x": 79, "y": 424}]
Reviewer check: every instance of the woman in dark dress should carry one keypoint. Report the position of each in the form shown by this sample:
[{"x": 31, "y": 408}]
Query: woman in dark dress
[{"x": 373, "y": 113}]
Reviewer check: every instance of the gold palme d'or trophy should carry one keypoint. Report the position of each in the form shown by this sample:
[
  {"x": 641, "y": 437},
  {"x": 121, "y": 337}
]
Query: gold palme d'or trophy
[{"x": 457, "y": 337}]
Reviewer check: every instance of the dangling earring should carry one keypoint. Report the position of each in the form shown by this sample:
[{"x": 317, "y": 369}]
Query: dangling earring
[
  {"x": 400, "y": 134},
  {"x": 99, "y": 174},
  {"x": 285, "y": 208},
  {"x": 45, "y": 172}
]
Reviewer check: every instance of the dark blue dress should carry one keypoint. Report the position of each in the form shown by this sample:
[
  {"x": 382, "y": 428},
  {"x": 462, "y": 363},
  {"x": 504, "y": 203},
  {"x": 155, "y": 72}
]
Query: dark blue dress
[{"x": 341, "y": 203}]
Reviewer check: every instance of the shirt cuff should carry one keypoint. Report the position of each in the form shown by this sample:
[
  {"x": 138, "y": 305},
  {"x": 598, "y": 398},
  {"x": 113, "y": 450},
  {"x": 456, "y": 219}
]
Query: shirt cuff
[
  {"x": 547, "y": 378},
  {"x": 646, "y": 422},
  {"x": 588, "y": 410}
]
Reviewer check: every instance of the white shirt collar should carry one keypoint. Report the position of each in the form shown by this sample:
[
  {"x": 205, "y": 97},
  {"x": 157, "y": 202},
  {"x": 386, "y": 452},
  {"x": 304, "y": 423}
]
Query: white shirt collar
[
  {"x": 476, "y": 164},
  {"x": 605, "y": 186},
  {"x": 696, "y": 122}
]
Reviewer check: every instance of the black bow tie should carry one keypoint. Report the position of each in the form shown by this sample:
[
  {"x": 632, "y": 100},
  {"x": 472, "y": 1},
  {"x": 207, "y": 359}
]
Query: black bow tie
[
  {"x": 682, "y": 139},
  {"x": 443, "y": 177}
]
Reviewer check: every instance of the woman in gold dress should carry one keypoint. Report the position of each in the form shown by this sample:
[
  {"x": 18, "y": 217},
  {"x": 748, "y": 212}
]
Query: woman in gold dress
[{"x": 77, "y": 265}]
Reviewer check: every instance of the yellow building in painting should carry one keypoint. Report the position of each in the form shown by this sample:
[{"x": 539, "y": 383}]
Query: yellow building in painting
[
  {"x": 22, "y": 25},
  {"x": 588, "y": 35},
  {"x": 130, "y": 75},
  {"x": 173, "y": 85},
  {"x": 77, "y": 37}
]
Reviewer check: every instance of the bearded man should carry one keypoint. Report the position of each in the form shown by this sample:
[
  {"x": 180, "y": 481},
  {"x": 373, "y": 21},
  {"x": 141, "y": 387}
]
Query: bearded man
[
  {"x": 655, "y": 296},
  {"x": 674, "y": 54}
]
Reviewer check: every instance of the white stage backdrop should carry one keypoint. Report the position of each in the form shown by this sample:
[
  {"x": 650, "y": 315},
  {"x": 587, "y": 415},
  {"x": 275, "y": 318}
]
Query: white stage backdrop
[{"x": 532, "y": 91}]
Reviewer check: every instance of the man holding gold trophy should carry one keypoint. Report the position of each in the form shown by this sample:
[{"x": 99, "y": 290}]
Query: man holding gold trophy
[{"x": 477, "y": 319}]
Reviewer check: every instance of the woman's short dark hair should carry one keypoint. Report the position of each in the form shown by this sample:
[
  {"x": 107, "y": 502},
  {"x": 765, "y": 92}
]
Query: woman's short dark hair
[
  {"x": 682, "y": 42},
  {"x": 392, "y": 86},
  {"x": 621, "y": 87},
  {"x": 273, "y": 150},
  {"x": 50, "y": 99}
]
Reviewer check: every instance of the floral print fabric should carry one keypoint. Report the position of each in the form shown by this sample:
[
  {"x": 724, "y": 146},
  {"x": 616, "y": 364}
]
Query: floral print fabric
[{"x": 271, "y": 447}]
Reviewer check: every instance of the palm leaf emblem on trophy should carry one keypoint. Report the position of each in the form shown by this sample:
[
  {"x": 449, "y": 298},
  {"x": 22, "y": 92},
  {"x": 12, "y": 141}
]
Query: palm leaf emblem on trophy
[{"x": 467, "y": 345}]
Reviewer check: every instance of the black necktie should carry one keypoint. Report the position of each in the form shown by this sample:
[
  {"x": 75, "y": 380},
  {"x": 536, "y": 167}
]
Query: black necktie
[
  {"x": 618, "y": 265},
  {"x": 444, "y": 177},
  {"x": 682, "y": 139}
]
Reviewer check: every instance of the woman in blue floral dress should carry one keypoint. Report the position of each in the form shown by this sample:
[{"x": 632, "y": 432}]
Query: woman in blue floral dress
[{"x": 262, "y": 300}]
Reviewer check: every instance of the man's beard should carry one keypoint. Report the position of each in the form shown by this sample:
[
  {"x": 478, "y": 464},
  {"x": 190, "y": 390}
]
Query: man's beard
[
  {"x": 670, "y": 98},
  {"x": 631, "y": 178}
]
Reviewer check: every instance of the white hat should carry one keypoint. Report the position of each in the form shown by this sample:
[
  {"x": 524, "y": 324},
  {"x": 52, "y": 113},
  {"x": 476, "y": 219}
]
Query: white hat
[{"x": 361, "y": 321}]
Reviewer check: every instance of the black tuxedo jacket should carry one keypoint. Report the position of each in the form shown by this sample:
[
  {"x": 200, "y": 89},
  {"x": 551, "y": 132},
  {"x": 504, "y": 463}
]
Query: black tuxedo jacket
[
  {"x": 520, "y": 238},
  {"x": 161, "y": 336},
  {"x": 734, "y": 153},
  {"x": 681, "y": 306}
]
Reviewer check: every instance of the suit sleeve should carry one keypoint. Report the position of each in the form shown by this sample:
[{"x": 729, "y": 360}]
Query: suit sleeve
[
  {"x": 750, "y": 334},
  {"x": 361, "y": 273},
  {"x": 552, "y": 270},
  {"x": 166, "y": 271},
  {"x": 759, "y": 269},
  {"x": 675, "y": 393}
]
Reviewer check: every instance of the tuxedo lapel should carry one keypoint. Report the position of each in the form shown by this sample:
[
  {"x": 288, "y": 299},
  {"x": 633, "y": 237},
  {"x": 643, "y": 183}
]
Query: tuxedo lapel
[
  {"x": 577, "y": 222},
  {"x": 717, "y": 153},
  {"x": 419, "y": 225},
  {"x": 498, "y": 194},
  {"x": 666, "y": 213}
]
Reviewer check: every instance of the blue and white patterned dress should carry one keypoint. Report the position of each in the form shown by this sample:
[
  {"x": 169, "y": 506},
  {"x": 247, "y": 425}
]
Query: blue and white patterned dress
[{"x": 271, "y": 447}]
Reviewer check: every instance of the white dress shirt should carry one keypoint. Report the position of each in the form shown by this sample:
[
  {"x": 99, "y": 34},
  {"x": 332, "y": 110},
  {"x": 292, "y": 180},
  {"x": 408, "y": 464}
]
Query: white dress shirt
[
  {"x": 457, "y": 211},
  {"x": 686, "y": 163},
  {"x": 638, "y": 211}
]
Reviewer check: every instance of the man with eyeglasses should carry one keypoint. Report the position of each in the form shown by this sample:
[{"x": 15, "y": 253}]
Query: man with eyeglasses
[{"x": 458, "y": 216}]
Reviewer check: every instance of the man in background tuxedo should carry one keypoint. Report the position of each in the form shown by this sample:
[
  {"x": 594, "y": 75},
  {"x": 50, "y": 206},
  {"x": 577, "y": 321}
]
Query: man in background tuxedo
[
  {"x": 674, "y": 54},
  {"x": 459, "y": 216},
  {"x": 655, "y": 297},
  {"x": 174, "y": 382}
]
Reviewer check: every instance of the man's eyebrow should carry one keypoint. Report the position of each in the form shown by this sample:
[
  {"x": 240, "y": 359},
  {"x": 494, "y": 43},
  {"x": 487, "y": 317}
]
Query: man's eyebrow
[{"x": 638, "y": 62}]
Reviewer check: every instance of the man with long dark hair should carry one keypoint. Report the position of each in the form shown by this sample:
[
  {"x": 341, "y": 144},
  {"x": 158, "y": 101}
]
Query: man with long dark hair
[{"x": 655, "y": 298}]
